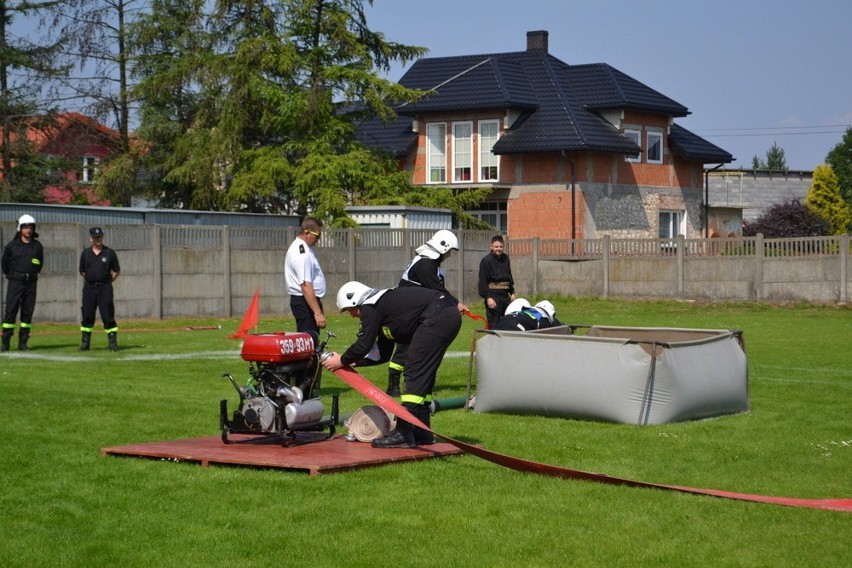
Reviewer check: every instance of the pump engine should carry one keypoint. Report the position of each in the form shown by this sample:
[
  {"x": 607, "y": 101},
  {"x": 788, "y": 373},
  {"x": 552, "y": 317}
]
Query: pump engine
[{"x": 282, "y": 395}]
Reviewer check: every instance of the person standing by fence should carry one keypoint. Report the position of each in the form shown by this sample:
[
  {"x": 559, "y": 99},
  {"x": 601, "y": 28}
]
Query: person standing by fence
[
  {"x": 496, "y": 285},
  {"x": 305, "y": 279},
  {"x": 99, "y": 268},
  {"x": 22, "y": 262}
]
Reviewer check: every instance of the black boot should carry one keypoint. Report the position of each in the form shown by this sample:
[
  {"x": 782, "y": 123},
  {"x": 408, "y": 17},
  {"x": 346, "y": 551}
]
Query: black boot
[
  {"x": 7, "y": 338},
  {"x": 23, "y": 337},
  {"x": 85, "y": 340},
  {"x": 112, "y": 337},
  {"x": 423, "y": 437},
  {"x": 400, "y": 437},
  {"x": 393, "y": 383}
]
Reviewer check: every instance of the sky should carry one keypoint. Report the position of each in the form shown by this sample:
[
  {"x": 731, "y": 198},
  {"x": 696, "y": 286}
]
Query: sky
[{"x": 751, "y": 72}]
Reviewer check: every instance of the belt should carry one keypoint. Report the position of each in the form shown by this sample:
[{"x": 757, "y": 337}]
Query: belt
[
  {"x": 499, "y": 285},
  {"x": 97, "y": 283},
  {"x": 23, "y": 276}
]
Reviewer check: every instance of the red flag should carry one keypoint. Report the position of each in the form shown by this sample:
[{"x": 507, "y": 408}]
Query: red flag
[{"x": 250, "y": 319}]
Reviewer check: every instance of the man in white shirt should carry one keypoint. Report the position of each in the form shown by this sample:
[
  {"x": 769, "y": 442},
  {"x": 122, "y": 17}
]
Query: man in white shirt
[{"x": 305, "y": 279}]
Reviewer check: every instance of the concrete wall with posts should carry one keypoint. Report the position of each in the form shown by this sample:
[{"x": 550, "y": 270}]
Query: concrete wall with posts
[{"x": 170, "y": 271}]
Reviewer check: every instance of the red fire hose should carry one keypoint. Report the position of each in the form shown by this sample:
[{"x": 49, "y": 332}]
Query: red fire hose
[{"x": 375, "y": 394}]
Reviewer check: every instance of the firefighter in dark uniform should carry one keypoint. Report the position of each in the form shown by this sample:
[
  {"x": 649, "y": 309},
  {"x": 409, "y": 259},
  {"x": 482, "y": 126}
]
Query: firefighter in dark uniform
[
  {"x": 426, "y": 320},
  {"x": 424, "y": 270},
  {"x": 496, "y": 285},
  {"x": 22, "y": 261},
  {"x": 99, "y": 268},
  {"x": 527, "y": 318}
]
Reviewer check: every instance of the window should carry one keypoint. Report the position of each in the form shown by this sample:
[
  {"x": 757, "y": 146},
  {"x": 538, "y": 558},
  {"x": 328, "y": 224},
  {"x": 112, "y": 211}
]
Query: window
[
  {"x": 671, "y": 224},
  {"x": 636, "y": 136},
  {"x": 436, "y": 135},
  {"x": 90, "y": 168},
  {"x": 655, "y": 147},
  {"x": 489, "y": 163},
  {"x": 493, "y": 213},
  {"x": 462, "y": 151}
]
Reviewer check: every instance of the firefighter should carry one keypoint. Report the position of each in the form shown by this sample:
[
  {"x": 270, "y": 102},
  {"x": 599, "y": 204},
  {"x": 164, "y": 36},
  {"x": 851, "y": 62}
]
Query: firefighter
[
  {"x": 99, "y": 268},
  {"x": 425, "y": 320},
  {"x": 520, "y": 315},
  {"x": 22, "y": 261},
  {"x": 496, "y": 285},
  {"x": 424, "y": 270}
]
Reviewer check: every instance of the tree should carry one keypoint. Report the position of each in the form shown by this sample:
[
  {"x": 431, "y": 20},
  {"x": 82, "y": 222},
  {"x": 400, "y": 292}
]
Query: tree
[
  {"x": 824, "y": 200},
  {"x": 23, "y": 68},
  {"x": 775, "y": 160},
  {"x": 99, "y": 46},
  {"x": 784, "y": 220},
  {"x": 242, "y": 103},
  {"x": 840, "y": 160}
]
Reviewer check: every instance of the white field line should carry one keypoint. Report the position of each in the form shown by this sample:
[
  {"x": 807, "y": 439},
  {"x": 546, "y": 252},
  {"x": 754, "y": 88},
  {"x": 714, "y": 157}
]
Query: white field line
[{"x": 99, "y": 357}]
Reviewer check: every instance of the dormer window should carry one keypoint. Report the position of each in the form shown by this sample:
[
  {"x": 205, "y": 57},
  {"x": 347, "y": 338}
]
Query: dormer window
[
  {"x": 436, "y": 139},
  {"x": 489, "y": 162},
  {"x": 635, "y": 136},
  {"x": 462, "y": 151},
  {"x": 655, "y": 147}
]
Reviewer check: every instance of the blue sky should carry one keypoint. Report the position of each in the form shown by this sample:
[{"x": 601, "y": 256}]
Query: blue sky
[{"x": 752, "y": 72}]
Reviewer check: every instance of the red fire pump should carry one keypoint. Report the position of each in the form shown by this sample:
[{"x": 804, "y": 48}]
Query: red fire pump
[{"x": 282, "y": 395}]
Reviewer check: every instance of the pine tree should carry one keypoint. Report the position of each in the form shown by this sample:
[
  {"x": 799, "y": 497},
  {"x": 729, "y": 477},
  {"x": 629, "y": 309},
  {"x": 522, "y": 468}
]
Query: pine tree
[
  {"x": 824, "y": 200},
  {"x": 242, "y": 104},
  {"x": 840, "y": 160}
]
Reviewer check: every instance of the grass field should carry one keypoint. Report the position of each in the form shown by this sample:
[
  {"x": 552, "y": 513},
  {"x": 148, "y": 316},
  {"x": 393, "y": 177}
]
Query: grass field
[{"x": 63, "y": 504}]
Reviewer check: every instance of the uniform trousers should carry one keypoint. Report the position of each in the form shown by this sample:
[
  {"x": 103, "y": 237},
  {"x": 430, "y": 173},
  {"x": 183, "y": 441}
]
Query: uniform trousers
[{"x": 98, "y": 296}]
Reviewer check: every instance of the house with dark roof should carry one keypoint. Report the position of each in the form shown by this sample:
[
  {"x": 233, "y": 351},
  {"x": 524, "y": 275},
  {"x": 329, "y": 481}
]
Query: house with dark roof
[{"x": 569, "y": 151}]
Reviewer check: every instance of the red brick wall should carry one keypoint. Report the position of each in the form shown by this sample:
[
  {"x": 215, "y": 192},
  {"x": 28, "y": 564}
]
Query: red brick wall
[{"x": 545, "y": 213}]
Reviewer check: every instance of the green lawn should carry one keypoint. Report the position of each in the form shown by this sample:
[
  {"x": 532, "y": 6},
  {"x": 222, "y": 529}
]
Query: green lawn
[{"x": 63, "y": 504}]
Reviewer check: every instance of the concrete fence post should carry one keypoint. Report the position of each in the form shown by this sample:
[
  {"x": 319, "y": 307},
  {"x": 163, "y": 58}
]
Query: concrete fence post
[
  {"x": 156, "y": 273},
  {"x": 535, "y": 256},
  {"x": 681, "y": 252},
  {"x": 226, "y": 271},
  {"x": 758, "y": 276},
  {"x": 607, "y": 246},
  {"x": 844, "y": 268},
  {"x": 350, "y": 238}
]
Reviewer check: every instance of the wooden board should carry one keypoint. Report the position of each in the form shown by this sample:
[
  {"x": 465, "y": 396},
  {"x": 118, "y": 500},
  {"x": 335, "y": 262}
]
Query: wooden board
[{"x": 309, "y": 453}]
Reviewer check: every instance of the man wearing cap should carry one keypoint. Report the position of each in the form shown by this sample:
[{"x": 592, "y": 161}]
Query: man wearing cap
[
  {"x": 21, "y": 262},
  {"x": 99, "y": 269}
]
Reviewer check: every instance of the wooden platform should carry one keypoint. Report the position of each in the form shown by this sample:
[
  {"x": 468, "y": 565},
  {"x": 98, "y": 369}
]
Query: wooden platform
[{"x": 310, "y": 453}]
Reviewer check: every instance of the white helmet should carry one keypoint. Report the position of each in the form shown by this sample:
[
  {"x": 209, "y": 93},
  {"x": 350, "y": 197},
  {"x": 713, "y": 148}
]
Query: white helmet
[
  {"x": 516, "y": 306},
  {"x": 25, "y": 220},
  {"x": 548, "y": 308},
  {"x": 443, "y": 242},
  {"x": 353, "y": 294}
]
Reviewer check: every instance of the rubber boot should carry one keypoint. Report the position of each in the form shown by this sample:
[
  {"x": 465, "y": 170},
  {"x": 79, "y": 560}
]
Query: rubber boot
[
  {"x": 393, "y": 383},
  {"x": 7, "y": 338},
  {"x": 23, "y": 337},
  {"x": 400, "y": 437},
  {"x": 423, "y": 437},
  {"x": 112, "y": 337},
  {"x": 85, "y": 341}
]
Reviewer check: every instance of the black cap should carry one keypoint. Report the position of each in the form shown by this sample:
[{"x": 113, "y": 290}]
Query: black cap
[{"x": 96, "y": 232}]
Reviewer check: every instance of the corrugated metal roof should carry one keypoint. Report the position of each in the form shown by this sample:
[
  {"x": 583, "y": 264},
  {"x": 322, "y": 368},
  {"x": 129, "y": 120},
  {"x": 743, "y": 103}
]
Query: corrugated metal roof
[{"x": 90, "y": 215}]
